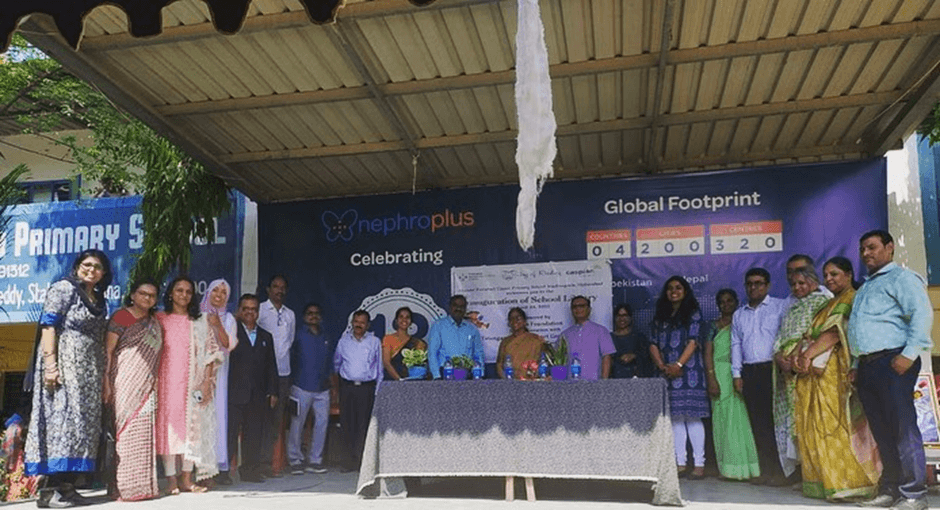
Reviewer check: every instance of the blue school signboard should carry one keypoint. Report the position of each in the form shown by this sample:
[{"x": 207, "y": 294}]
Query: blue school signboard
[
  {"x": 43, "y": 240},
  {"x": 382, "y": 251}
]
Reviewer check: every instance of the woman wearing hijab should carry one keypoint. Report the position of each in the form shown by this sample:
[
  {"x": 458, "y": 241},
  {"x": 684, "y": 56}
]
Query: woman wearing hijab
[{"x": 215, "y": 302}]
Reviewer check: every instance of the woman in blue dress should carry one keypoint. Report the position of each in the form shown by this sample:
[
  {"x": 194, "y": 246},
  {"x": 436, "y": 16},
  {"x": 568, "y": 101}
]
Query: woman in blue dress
[{"x": 677, "y": 333}]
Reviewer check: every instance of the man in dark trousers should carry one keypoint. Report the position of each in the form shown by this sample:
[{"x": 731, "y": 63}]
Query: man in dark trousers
[{"x": 252, "y": 385}]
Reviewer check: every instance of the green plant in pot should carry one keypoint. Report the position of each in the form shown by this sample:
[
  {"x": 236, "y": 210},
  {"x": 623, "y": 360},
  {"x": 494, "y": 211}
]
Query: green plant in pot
[
  {"x": 462, "y": 366},
  {"x": 558, "y": 359},
  {"x": 417, "y": 362}
]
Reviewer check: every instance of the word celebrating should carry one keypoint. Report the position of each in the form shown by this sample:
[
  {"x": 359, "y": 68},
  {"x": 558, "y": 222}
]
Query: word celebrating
[
  {"x": 418, "y": 256},
  {"x": 346, "y": 225},
  {"x": 670, "y": 241},
  {"x": 753, "y": 237},
  {"x": 608, "y": 244},
  {"x": 677, "y": 203}
]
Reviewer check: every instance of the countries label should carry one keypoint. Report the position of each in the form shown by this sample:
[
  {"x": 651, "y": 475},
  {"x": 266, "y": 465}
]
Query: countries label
[
  {"x": 670, "y": 241},
  {"x": 608, "y": 244},
  {"x": 752, "y": 237}
]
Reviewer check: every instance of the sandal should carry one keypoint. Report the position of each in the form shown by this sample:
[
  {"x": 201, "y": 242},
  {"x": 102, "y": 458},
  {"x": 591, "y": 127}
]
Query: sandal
[{"x": 196, "y": 489}]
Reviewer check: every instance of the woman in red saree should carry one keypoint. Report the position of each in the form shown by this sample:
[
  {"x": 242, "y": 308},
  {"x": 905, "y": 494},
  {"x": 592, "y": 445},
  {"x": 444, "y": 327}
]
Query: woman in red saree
[{"x": 133, "y": 343}]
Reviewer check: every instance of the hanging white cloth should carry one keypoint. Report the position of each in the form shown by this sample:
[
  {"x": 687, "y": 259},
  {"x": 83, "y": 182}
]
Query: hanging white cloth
[{"x": 535, "y": 149}]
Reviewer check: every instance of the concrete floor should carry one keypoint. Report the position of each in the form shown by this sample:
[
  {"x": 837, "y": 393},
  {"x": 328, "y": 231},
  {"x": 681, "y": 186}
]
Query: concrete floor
[{"x": 334, "y": 491}]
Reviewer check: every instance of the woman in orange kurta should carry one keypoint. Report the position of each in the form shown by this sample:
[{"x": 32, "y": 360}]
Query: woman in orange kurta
[{"x": 394, "y": 343}]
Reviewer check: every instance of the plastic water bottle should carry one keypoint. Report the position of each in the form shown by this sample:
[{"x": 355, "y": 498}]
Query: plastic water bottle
[
  {"x": 543, "y": 368},
  {"x": 477, "y": 370},
  {"x": 507, "y": 367},
  {"x": 448, "y": 370},
  {"x": 575, "y": 367}
]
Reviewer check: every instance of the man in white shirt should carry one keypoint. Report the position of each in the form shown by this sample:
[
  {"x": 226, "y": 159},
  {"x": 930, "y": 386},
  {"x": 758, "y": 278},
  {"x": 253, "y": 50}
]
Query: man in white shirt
[
  {"x": 753, "y": 331},
  {"x": 277, "y": 318}
]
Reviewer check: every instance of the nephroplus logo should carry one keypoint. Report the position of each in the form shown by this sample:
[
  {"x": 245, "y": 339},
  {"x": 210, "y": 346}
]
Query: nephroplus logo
[{"x": 347, "y": 225}]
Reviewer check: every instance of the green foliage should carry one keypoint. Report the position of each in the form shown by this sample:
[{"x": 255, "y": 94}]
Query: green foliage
[
  {"x": 414, "y": 357},
  {"x": 558, "y": 355},
  {"x": 462, "y": 361},
  {"x": 180, "y": 197},
  {"x": 930, "y": 127}
]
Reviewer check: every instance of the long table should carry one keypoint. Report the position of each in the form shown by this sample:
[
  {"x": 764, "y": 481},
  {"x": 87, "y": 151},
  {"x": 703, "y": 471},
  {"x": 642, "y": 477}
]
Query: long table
[{"x": 612, "y": 429}]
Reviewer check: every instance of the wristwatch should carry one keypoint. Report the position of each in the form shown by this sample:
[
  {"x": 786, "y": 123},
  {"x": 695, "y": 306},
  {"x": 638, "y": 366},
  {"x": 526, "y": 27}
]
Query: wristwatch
[{"x": 679, "y": 364}]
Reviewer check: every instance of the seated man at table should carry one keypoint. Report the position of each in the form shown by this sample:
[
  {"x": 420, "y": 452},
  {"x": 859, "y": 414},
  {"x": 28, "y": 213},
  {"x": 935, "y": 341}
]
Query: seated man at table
[
  {"x": 358, "y": 361},
  {"x": 452, "y": 336},
  {"x": 589, "y": 340}
]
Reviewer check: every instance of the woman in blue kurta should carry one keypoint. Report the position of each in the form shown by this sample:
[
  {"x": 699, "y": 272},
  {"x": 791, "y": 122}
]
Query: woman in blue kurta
[
  {"x": 677, "y": 333},
  {"x": 67, "y": 372}
]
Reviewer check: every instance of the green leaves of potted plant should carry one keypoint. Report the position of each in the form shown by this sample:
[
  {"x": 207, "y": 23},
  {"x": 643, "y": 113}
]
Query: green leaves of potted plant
[
  {"x": 416, "y": 360},
  {"x": 558, "y": 358},
  {"x": 462, "y": 366}
]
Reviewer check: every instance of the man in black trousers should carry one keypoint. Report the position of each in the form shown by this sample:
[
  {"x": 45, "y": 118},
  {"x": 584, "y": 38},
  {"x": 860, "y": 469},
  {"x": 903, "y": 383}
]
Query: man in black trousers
[{"x": 252, "y": 385}]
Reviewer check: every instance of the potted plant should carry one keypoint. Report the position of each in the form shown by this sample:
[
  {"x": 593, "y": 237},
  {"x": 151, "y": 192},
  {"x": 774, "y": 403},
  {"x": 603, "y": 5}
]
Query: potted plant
[
  {"x": 462, "y": 366},
  {"x": 417, "y": 362},
  {"x": 558, "y": 359}
]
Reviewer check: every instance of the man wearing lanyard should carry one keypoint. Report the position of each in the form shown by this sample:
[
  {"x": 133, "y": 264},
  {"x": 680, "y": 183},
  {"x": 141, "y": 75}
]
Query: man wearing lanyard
[
  {"x": 453, "y": 336},
  {"x": 358, "y": 361},
  {"x": 889, "y": 330},
  {"x": 279, "y": 320}
]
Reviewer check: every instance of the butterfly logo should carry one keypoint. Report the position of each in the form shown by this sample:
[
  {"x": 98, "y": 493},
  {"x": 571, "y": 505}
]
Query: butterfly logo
[{"x": 339, "y": 227}]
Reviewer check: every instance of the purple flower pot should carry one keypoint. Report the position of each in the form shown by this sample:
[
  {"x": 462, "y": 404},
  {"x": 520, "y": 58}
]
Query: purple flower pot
[
  {"x": 559, "y": 373},
  {"x": 460, "y": 374}
]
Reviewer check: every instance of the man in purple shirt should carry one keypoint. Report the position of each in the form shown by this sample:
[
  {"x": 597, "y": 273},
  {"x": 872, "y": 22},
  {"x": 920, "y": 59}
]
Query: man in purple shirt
[
  {"x": 358, "y": 361},
  {"x": 589, "y": 340}
]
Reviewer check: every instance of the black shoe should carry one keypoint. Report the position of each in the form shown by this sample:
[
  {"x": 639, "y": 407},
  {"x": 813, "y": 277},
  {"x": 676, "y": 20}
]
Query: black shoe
[
  {"x": 758, "y": 480},
  {"x": 318, "y": 469},
  {"x": 778, "y": 481},
  {"x": 348, "y": 468},
  {"x": 69, "y": 493},
  {"x": 223, "y": 478},
  {"x": 253, "y": 477},
  {"x": 52, "y": 498}
]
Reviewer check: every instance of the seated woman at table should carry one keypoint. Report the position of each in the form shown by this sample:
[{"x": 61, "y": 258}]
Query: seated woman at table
[
  {"x": 394, "y": 343},
  {"x": 521, "y": 344},
  {"x": 677, "y": 333},
  {"x": 632, "y": 358}
]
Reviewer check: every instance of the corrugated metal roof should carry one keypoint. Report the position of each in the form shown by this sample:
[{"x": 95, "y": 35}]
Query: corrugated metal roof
[{"x": 288, "y": 110}]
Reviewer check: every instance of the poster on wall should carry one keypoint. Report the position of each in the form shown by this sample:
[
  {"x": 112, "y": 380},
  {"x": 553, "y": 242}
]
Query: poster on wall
[
  {"x": 708, "y": 227},
  {"x": 543, "y": 290},
  {"x": 43, "y": 240}
]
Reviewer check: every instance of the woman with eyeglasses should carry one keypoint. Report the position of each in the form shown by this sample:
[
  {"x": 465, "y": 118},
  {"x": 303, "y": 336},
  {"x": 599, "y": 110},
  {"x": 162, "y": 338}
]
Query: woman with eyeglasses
[
  {"x": 66, "y": 380},
  {"x": 186, "y": 420},
  {"x": 133, "y": 345}
]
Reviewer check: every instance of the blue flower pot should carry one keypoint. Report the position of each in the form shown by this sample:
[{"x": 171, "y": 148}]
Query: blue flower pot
[{"x": 418, "y": 372}]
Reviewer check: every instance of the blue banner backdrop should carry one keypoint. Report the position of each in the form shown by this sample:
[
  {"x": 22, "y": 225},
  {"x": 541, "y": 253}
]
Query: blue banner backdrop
[
  {"x": 378, "y": 252},
  {"x": 44, "y": 239}
]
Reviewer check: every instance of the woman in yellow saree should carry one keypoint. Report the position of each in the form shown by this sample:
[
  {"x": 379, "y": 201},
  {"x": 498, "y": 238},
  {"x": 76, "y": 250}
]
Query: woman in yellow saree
[{"x": 840, "y": 458}]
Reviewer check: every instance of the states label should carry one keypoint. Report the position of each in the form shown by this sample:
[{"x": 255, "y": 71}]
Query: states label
[
  {"x": 750, "y": 237},
  {"x": 608, "y": 244},
  {"x": 670, "y": 241}
]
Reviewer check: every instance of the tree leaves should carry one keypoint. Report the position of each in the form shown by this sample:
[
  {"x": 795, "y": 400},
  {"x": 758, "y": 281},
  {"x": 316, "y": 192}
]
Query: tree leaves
[{"x": 181, "y": 197}]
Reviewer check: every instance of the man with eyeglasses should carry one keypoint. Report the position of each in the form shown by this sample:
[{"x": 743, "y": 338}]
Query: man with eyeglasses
[
  {"x": 590, "y": 340},
  {"x": 277, "y": 318},
  {"x": 753, "y": 331}
]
